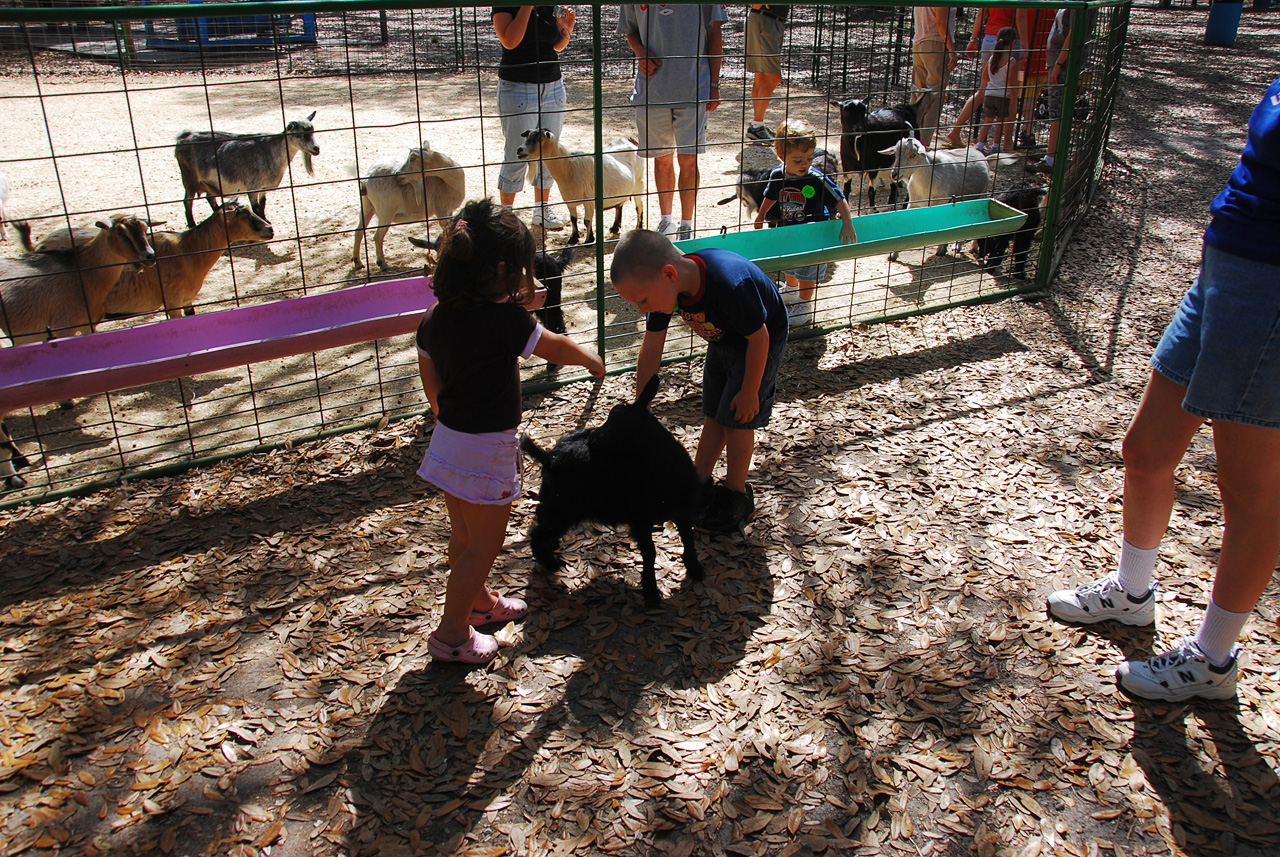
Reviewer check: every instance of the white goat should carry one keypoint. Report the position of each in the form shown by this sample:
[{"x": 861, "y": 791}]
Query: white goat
[
  {"x": 427, "y": 186},
  {"x": 62, "y": 289},
  {"x": 575, "y": 175},
  {"x": 946, "y": 175},
  {"x": 183, "y": 260}
]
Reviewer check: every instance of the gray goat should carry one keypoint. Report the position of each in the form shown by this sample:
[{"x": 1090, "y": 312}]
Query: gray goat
[{"x": 219, "y": 163}]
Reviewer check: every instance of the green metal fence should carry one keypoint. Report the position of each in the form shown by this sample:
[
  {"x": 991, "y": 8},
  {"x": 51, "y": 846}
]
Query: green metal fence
[{"x": 92, "y": 97}]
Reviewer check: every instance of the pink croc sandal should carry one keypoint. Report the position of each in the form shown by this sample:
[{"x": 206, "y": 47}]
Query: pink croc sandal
[
  {"x": 478, "y": 649},
  {"x": 503, "y": 610}
]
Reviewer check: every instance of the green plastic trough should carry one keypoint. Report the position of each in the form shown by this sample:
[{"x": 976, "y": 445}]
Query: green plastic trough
[{"x": 814, "y": 243}]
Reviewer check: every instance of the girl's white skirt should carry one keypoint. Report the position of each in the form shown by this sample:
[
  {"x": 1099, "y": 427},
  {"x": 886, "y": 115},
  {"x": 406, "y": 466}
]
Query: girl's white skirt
[{"x": 478, "y": 468}]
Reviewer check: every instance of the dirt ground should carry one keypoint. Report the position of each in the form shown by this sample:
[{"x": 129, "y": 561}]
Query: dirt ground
[
  {"x": 127, "y": 163},
  {"x": 233, "y": 661}
]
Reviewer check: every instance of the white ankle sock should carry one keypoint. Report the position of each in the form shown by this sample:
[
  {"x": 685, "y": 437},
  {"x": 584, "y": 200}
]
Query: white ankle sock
[
  {"x": 1136, "y": 567},
  {"x": 1219, "y": 630},
  {"x": 686, "y": 224}
]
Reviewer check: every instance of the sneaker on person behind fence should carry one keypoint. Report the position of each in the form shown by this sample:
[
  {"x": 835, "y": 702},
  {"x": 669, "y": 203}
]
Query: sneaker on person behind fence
[
  {"x": 684, "y": 231},
  {"x": 1103, "y": 600},
  {"x": 668, "y": 227},
  {"x": 1180, "y": 673},
  {"x": 544, "y": 217},
  {"x": 760, "y": 132},
  {"x": 1043, "y": 166}
]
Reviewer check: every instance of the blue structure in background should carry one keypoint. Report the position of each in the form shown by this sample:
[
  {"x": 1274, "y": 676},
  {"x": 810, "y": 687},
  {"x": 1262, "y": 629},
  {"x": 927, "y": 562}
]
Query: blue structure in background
[{"x": 193, "y": 34}]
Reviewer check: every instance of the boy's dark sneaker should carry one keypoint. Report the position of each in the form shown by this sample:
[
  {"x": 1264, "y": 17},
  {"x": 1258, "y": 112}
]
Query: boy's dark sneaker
[{"x": 728, "y": 512}]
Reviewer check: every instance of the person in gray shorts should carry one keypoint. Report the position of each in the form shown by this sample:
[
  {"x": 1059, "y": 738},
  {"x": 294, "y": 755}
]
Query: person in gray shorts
[
  {"x": 765, "y": 26},
  {"x": 679, "y": 49}
]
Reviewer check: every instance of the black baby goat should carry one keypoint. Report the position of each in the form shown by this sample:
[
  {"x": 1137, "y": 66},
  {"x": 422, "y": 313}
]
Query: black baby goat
[
  {"x": 991, "y": 251},
  {"x": 630, "y": 470}
]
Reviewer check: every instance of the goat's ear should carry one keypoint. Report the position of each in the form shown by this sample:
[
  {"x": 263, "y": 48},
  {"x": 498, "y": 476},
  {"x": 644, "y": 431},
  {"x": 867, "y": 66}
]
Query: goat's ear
[
  {"x": 422, "y": 242},
  {"x": 650, "y": 390},
  {"x": 526, "y": 134},
  {"x": 892, "y": 150},
  {"x": 154, "y": 223},
  {"x": 547, "y": 135},
  {"x": 101, "y": 225},
  {"x": 312, "y": 116}
]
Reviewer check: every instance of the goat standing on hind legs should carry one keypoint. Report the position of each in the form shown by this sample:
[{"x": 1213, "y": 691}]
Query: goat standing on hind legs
[{"x": 630, "y": 470}]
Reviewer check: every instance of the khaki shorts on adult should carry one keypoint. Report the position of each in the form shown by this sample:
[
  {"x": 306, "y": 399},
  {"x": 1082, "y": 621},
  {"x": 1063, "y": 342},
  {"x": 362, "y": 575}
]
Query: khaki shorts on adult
[
  {"x": 764, "y": 43},
  {"x": 663, "y": 130}
]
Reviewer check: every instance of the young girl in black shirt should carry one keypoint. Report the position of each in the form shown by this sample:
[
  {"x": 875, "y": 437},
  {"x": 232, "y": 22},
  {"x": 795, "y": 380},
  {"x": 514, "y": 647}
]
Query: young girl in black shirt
[{"x": 469, "y": 347}]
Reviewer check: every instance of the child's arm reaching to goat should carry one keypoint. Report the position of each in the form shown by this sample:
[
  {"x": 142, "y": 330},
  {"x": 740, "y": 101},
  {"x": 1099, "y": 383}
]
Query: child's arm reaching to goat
[{"x": 561, "y": 350}]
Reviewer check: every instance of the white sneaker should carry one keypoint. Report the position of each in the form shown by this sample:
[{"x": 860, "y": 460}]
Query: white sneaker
[
  {"x": 1103, "y": 600},
  {"x": 668, "y": 227},
  {"x": 801, "y": 314},
  {"x": 546, "y": 218},
  {"x": 1178, "y": 674},
  {"x": 789, "y": 295}
]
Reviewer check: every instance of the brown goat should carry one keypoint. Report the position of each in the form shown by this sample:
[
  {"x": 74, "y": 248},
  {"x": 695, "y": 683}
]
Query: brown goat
[
  {"x": 61, "y": 288},
  {"x": 183, "y": 260}
]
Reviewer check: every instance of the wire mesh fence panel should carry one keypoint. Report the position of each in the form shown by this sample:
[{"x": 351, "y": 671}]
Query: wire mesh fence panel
[{"x": 92, "y": 104}]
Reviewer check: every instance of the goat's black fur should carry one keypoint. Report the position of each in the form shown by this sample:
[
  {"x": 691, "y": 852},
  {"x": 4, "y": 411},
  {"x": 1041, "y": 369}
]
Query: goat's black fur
[
  {"x": 752, "y": 182},
  {"x": 630, "y": 470},
  {"x": 990, "y": 251},
  {"x": 863, "y": 136},
  {"x": 549, "y": 270}
]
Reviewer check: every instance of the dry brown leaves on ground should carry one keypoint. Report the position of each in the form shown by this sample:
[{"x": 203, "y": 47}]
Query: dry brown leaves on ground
[{"x": 233, "y": 661}]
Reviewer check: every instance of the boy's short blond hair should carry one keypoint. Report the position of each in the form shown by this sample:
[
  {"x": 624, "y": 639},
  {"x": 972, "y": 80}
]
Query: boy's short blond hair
[
  {"x": 640, "y": 255},
  {"x": 796, "y": 136}
]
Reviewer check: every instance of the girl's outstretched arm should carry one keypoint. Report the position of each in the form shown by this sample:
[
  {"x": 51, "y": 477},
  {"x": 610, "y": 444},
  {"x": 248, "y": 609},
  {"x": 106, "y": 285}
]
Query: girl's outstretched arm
[{"x": 560, "y": 349}]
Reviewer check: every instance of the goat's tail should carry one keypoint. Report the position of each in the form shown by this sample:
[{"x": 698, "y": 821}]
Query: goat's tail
[{"x": 534, "y": 451}]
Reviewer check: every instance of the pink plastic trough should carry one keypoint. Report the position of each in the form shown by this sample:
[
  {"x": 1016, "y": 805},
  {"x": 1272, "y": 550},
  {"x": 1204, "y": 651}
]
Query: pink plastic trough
[{"x": 80, "y": 366}]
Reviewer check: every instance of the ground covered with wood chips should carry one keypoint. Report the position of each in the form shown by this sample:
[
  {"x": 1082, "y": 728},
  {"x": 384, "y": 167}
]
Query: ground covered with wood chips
[{"x": 234, "y": 661}]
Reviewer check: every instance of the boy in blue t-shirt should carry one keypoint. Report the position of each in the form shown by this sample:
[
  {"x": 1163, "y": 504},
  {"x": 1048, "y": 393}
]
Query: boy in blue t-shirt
[
  {"x": 736, "y": 308},
  {"x": 803, "y": 195}
]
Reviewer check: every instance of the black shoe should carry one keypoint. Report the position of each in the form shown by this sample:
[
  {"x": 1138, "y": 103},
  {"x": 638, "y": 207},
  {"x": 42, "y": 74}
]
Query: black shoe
[
  {"x": 759, "y": 133},
  {"x": 728, "y": 512},
  {"x": 1025, "y": 141}
]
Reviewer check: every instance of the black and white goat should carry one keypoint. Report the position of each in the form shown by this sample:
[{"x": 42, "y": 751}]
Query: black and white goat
[
  {"x": 991, "y": 250},
  {"x": 863, "y": 137},
  {"x": 751, "y": 184},
  {"x": 219, "y": 163},
  {"x": 630, "y": 470}
]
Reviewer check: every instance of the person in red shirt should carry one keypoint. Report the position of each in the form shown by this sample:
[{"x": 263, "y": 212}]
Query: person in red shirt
[{"x": 986, "y": 27}]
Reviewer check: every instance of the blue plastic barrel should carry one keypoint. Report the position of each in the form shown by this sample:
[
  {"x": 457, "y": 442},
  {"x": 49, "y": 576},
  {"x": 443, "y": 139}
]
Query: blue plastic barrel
[{"x": 1224, "y": 20}]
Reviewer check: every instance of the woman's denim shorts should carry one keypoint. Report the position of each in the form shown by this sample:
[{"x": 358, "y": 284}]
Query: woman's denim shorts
[
  {"x": 523, "y": 107},
  {"x": 1224, "y": 343}
]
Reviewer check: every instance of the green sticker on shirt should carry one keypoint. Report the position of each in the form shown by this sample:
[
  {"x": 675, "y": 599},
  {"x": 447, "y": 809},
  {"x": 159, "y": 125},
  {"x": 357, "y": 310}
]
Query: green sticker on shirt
[{"x": 808, "y": 191}]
